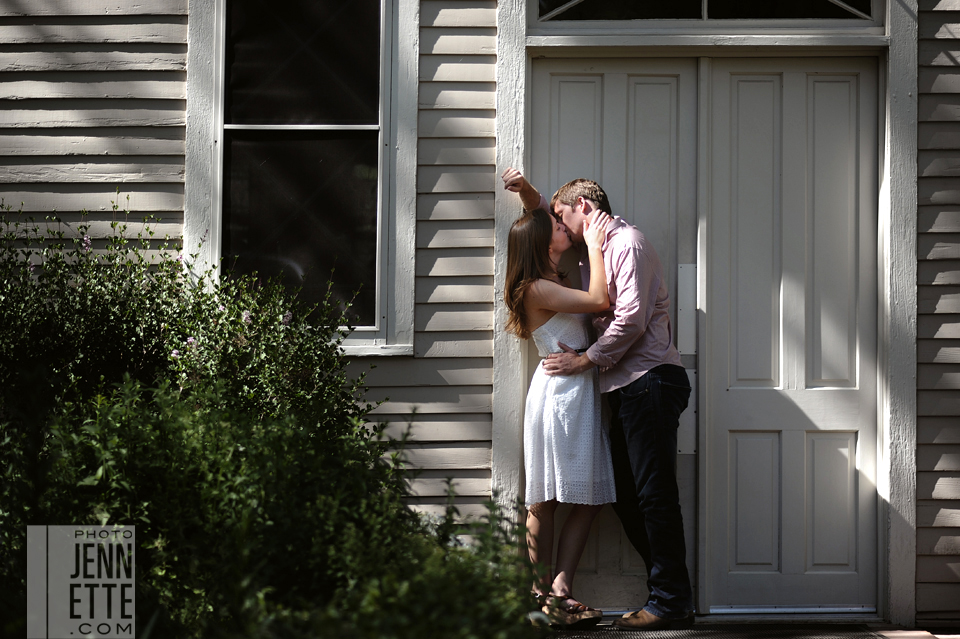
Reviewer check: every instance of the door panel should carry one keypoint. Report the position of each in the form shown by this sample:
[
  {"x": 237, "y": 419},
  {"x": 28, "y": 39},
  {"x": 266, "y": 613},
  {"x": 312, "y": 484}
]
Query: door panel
[{"x": 790, "y": 334}]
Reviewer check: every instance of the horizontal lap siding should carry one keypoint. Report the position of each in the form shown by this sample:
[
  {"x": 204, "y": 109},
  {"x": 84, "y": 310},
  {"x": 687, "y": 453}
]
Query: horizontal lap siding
[
  {"x": 938, "y": 347},
  {"x": 92, "y": 100},
  {"x": 442, "y": 397}
]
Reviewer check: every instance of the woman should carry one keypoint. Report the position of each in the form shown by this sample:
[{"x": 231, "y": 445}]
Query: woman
[{"x": 566, "y": 448}]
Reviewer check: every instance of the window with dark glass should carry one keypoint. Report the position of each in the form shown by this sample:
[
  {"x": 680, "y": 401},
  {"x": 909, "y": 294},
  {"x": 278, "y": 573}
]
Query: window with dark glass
[
  {"x": 301, "y": 146},
  {"x": 699, "y": 10}
]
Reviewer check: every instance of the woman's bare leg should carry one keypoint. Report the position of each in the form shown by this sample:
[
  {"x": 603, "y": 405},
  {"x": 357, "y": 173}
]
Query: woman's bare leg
[
  {"x": 573, "y": 537},
  {"x": 540, "y": 540}
]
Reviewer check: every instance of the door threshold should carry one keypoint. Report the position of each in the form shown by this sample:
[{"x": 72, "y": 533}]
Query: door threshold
[{"x": 789, "y": 618}]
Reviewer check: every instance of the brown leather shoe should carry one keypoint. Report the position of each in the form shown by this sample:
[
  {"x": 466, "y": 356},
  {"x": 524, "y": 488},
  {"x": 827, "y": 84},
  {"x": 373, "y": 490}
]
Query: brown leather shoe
[{"x": 643, "y": 620}]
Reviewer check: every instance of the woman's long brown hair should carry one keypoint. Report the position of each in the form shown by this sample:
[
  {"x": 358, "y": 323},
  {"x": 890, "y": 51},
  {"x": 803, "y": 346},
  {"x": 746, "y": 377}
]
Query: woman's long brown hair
[{"x": 528, "y": 260}]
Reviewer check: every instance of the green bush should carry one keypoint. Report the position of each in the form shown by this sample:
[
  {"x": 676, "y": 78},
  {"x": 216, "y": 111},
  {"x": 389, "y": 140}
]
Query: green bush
[{"x": 217, "y": 417}]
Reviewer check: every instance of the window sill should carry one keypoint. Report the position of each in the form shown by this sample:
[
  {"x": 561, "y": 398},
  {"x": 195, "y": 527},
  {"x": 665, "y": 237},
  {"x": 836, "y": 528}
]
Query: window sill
[{"x": 377, "y": 350}]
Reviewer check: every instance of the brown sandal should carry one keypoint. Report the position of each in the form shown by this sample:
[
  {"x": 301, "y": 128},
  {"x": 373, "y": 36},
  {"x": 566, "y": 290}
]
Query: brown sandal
[{"x": 567, "y": 611}]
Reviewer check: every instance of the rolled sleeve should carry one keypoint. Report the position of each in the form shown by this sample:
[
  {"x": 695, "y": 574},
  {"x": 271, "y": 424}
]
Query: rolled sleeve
[{"x": 543, "y": 204}]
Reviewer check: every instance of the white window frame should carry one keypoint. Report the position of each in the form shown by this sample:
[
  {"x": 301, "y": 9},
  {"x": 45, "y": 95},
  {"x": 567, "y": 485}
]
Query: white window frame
[{"x": 393, "y": 332}]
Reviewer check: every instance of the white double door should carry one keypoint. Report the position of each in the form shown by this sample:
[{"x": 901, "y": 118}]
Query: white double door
[{"x": 763, "y": 173}]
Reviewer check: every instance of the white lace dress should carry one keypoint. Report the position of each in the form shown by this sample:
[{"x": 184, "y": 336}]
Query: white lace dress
[{"x": 565, "y": 444}]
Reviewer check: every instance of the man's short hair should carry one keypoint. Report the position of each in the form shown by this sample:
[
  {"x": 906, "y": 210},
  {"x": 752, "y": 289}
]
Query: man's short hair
[{"x": 581, "y": 187}]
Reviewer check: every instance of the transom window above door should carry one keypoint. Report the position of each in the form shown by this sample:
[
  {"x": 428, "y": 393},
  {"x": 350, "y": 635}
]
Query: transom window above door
[{"x": 555, "y": 10}]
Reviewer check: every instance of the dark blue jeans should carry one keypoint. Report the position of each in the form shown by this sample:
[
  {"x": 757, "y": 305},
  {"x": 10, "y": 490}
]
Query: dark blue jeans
[{"x": 643, "y": 437}]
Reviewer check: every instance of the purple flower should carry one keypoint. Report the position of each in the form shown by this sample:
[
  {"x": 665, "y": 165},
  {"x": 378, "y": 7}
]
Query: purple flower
[
  {"x": 180, "y": 258},
  {"x": 191, "y": 341},
  {"x": 221, "y": 308},
  {"x": 286, "y": 318},
  {"x": 175, "y": 354},
  {"x": 87, "y": 243},
  {"x": 247, "y": 318}
]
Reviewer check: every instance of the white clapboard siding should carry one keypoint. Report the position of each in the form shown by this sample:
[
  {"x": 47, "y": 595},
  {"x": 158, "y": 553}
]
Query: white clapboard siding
[
  {"x": 95, "y": 58},
  {"x": 938, "y": 351},
  {"x": 937, "y": 485},
  {"x": 938, "y": 135},
  {"x": 436, "y": 508},
  {"x": 457, "y": 95},
  {"x": 93, "y": 7},
  {"x": 439, "y": 428},
  {"x": 455, "y": 206},
  {"x": 938, "y": 430},
  {"x": 449, "y": 234},
  {"x": 938, "y": 108},
  {"x": 938, "y": 320},
  {"x": 938, "y": 376},
  {"x": 938, "y": 163},
  {"x": 939, "y": 273},
  {"x": 409, "y": 371},
  {"x": 92, "y": 101},
  {"x": 454, "y": 262},
  {"x": 938, "y": 541},
  {"x": 465, "y": 151},
  {"x": 939, "y": 5},
  {"x": 939, "y": 326},
  {"x": 461, "y": 13},
  {"x": 938, "y": 402},
  {"x": 938, "y": 191},
  {"x": 43, "y": 198},
  {"x": 939, "y": 219},
  {"x": 153, "y": 30},
  {"x": 465, "y": 486},
  {"x": 457, "y": 344},
  {"x": 937, "y": 597},
  {"x": 454, "y": 290},
  {"x": 939, "y": 79},
  {"x": 938, "y": 514},
  {"x": 449, "y": 123},
  {"x": 444, "y": 456},
  {"x": 431, "y": 399},
  {"x": 72, "y": 225},
  {"x": 453, "y": 317},
  {"x": 466, "y": 482},
  {"x": 454, "y": 179},
  {"x": 458, "y": 41},
  {"x": 98, "y": 142},
  {"x": 939, "y": 299},
  {"x": 938, "y": 569},
  {"x": 92, "y": 113},
  {"x": 939, "y": 53},
  {"x": 166, "y": 85},
  {"x": 458, "y": 68},
  {"x": 938, "y": 457},
  {"x": 939, "y": 246},
  {"x": 110, "y": 171}
]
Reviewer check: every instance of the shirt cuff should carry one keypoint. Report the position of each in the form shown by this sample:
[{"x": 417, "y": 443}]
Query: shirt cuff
[
  {"x": 595, "y": 355},
  {"x": 543, "y": 204}
]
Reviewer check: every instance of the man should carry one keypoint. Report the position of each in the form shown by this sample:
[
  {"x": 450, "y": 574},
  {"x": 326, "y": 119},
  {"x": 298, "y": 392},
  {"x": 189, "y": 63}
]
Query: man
[{"x": 646, "y": 388}]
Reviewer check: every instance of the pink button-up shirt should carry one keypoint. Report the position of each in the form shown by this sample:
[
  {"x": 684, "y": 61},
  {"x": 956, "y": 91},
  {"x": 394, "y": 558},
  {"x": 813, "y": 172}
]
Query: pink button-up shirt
[{"x": 634, "y": 334}]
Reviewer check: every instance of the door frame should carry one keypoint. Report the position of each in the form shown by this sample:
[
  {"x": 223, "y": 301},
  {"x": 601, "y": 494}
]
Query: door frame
[{"x": 896, "y": 51}]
